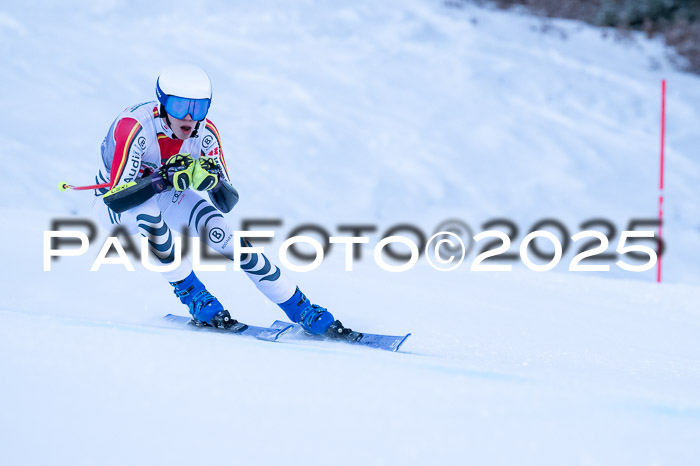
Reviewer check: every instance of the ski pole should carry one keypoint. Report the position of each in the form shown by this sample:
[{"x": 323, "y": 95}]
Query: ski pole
[{"x": 63, "y": 186}]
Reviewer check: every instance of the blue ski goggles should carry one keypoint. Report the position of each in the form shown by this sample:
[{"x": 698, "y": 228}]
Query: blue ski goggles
[{"x": 180, "y": 107}]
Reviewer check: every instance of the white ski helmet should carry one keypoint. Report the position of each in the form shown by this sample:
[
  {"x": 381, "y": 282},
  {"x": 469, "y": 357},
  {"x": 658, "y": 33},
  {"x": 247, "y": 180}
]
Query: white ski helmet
[{"x": 184, "y": 89}]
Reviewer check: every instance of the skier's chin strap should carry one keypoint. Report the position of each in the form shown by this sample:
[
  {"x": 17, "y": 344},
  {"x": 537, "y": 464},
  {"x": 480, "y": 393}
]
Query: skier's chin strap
[{"x": 164, "y": 114}]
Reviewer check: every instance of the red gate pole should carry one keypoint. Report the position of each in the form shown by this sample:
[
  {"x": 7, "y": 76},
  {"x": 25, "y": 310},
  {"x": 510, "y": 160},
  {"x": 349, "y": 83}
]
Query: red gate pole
[{"x": 661, "y": 177}]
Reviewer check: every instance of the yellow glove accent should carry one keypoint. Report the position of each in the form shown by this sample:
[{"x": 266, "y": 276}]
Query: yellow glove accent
[
  {"x": 179, "y": 170},
  {"x": 205, "y": 174}
]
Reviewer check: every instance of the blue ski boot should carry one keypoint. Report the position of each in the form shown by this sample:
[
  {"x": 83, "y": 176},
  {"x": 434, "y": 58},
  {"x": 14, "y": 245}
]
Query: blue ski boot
[
  {"x": 204, "y": 307},
  {"x": 315, "y": 319}
]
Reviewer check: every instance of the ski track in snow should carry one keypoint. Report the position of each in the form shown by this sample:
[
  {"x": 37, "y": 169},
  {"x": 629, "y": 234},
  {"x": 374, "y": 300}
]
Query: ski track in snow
[{"x": 356, "y": 112}]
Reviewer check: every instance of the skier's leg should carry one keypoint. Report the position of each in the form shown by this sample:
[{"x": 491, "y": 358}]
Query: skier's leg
[
  {"x": 198, "y": 217},
  {"x": 147, "y": 220}
]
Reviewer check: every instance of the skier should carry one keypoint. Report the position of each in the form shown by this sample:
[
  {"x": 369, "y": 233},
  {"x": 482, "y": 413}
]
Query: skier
[{"x": 158, "y": 158}]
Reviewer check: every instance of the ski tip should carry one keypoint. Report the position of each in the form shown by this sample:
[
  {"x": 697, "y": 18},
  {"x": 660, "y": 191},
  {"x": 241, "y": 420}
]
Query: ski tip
[
  {"x": 63, "y": 186},
  {"x": 401, "y": 342},
  {"x": 284, "y": 330},
  {"x": 177, "y": 319},
  {"x": 274, "y": 332}
]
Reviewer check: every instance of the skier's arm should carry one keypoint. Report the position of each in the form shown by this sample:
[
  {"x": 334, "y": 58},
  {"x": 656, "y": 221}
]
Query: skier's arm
[
  {"x": 176, "y": 171},
  {"x": 129, "y": 195},
  {"x": 207, "y": 176},
  {"x": 224, "y": 196},
  {"x": 124, "y": 156}
]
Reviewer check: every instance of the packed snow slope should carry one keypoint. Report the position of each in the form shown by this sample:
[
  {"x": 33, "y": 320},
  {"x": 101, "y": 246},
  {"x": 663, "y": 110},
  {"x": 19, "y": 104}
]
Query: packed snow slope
[{"x": 356, "y": 113}]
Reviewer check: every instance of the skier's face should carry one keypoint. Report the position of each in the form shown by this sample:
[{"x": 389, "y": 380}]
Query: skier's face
[{"x": 182, "y": 128}]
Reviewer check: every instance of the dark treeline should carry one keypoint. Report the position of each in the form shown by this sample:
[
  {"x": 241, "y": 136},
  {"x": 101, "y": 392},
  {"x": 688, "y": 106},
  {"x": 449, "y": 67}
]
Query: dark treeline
[{"x": 678, "y": 21}]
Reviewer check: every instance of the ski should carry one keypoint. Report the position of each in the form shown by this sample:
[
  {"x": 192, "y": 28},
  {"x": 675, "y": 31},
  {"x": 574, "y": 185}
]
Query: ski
[
  {"x": 261, "y": 333},
  {"x": 383, "y": 342}
]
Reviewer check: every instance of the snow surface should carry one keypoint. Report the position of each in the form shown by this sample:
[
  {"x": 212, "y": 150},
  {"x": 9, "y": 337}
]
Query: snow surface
[{"x": 356, "y": 112}]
